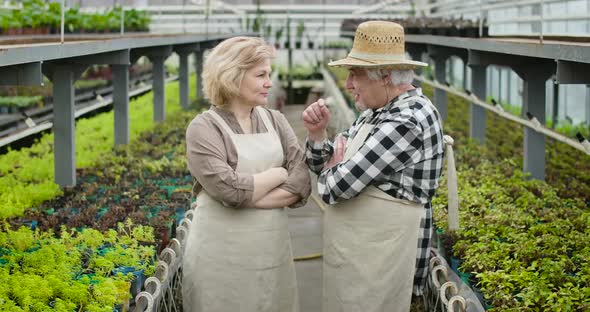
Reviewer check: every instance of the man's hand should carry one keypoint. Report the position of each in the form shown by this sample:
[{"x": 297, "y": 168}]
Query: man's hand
[
  {"x": 315, "y": 119},
  {"x": 339, "y": 149}
]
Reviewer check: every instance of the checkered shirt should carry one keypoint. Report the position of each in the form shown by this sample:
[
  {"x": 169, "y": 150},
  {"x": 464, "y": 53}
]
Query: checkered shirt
[{"x": 402, "y": 156}]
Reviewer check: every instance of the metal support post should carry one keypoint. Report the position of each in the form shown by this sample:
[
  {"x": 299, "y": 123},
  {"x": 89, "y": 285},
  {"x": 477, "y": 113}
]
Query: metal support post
[
  {"x": 555, "y": 110},
  {"x": 199, "y": 72},
  {"x": 63, "y": 74},
  {"x": 183, "y": 77},
  {"x": 159, "y": 87},
  {"x": 534, "y": 72},
  {"x": 477, "y": 124},
  {"x": 121, "y": 103},
  {"x": 64, "y": 130},
  {"x": 157, "y": 56},
  {"x": 440, "y": 96},
  {"x": 464, "y": 75},
  {"x": 416, "y": 54},
  {"x": 440, "y": 55},
  {"x": 500, "y": 82},
  {"x": 534, "y": 142},
  {"x": 22, "y": 74}
]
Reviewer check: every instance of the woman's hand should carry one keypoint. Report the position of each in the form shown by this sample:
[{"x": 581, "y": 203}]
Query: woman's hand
[
  {"x": 277, "y": 198},
  {"x": 338, "y": 155},
  {"x": 268, "y": 180}
]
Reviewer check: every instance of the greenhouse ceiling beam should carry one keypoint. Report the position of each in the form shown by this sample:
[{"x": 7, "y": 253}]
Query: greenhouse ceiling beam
[
  {"x": 251, "y": 8},
  {"x": 377, "y": 6},
  {"x": 572, "y": 72},
  {"x": 28, "y": 74}
]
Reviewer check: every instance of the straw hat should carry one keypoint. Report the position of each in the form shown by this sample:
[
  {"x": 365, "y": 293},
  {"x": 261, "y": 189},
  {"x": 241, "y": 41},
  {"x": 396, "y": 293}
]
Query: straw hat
[{"x": 378, "y": 44}]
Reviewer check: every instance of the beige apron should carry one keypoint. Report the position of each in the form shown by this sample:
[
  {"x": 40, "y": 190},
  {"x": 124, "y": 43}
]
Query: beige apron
[
  {"x": 370, "y": 246},
  {"x": 241, "y": 259}
]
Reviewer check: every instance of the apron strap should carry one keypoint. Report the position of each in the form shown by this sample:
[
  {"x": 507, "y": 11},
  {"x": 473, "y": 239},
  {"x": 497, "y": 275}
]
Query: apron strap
[
  {"x": 265, "y": 119},
  {"x": 453, "y": 196},
  {"x": 221, "y": 122}
]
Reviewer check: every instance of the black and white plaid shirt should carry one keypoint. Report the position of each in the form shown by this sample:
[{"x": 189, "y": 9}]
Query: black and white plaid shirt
[{"x": 402, "y": 156}]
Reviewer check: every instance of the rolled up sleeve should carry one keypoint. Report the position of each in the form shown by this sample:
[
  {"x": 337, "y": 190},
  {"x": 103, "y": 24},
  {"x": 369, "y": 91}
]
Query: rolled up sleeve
[{"x": 207, "y": 162}]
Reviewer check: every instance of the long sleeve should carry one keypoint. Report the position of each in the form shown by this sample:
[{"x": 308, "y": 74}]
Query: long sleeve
[
  {"x": 298, "y": 181},
  {"x": 318, "y": 153},
  {"x": 208, "y": 163},
  {"x": 392, "y": 145}
]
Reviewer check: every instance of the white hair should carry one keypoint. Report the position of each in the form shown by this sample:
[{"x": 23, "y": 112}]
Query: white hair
[{"x": 397, "y": 76}]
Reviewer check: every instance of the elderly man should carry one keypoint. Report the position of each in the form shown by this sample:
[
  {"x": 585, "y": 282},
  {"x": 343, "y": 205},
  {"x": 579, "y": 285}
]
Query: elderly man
[{"x": 378, "y": 176}]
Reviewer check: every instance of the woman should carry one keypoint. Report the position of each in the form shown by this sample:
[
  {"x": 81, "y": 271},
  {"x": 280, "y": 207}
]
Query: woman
[{"x": 249, "y": 166}]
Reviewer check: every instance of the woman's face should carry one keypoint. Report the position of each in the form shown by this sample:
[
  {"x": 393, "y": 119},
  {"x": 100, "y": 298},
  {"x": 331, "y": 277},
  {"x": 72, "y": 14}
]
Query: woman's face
[
  {"x": 367, "y": 93},
  {"x": 256, "y": 84}
]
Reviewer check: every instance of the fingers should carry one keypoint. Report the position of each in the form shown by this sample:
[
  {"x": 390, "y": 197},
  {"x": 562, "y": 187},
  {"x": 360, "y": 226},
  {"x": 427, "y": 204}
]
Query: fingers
[
  {"x": 316, "y": 112},
  {"x": 340, "y": 148}
]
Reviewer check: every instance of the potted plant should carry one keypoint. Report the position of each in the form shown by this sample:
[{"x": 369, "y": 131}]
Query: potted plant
[
  {"x": 310, "y": 42},
  {"x": 267, "y": 32},
  {"x": 278, "y": 35},
  {"x": 299, "y": 34}
]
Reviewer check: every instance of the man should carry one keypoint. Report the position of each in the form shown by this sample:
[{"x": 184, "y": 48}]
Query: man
[{"x": 379, "y": 176}]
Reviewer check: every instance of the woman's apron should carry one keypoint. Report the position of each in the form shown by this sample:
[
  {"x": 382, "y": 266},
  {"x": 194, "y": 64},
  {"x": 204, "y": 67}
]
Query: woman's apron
[
  {"x": 370, "y": 245},
  {"x": 241, "y": 259}
]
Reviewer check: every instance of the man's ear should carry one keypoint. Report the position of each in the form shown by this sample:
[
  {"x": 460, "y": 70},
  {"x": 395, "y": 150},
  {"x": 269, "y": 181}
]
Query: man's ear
[{"x": 385, "y": 78}]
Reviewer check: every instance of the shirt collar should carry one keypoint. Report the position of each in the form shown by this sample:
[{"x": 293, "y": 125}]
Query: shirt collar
[{"x": 417, "y": 91}]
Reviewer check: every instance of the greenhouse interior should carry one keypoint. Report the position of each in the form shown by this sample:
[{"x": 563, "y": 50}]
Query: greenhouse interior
[{"x": 113, "y": 153}]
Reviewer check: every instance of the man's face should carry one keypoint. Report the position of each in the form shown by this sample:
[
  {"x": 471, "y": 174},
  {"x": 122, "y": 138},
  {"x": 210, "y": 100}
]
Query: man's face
[{"x": 366, "y": 92}]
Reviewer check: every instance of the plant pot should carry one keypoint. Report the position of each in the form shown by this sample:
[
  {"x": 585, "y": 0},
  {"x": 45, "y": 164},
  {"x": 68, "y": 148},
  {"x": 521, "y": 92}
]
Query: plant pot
[
  {"x": 297, "y": 45},
  {"x": 31, "y": 224},
  {"x": 136, "y": 282},
  {"x": 455, "y": 263},
  {"x": 465, "y": 277}
]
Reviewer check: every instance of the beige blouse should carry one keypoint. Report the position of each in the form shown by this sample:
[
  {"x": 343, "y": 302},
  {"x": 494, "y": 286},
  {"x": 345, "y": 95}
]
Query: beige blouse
[{"x": 212, "y": 158}]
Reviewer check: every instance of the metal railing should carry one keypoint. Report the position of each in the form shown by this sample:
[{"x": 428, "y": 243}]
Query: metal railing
[{"x": 163, "y": 291}]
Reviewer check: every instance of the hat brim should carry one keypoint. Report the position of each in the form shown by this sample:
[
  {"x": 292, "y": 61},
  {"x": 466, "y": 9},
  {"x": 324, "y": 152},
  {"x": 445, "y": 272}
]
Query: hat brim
[{"x": 354, "y": 62}]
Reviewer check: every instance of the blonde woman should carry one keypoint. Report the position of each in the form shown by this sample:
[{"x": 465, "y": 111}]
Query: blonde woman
[{"x": 249, "y": 166}]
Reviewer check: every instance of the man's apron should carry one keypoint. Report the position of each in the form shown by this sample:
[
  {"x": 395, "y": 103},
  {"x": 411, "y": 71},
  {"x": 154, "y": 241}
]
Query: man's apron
[
  {"x": 370, "y": 245},
  {"x": 241, "y": 259}
]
